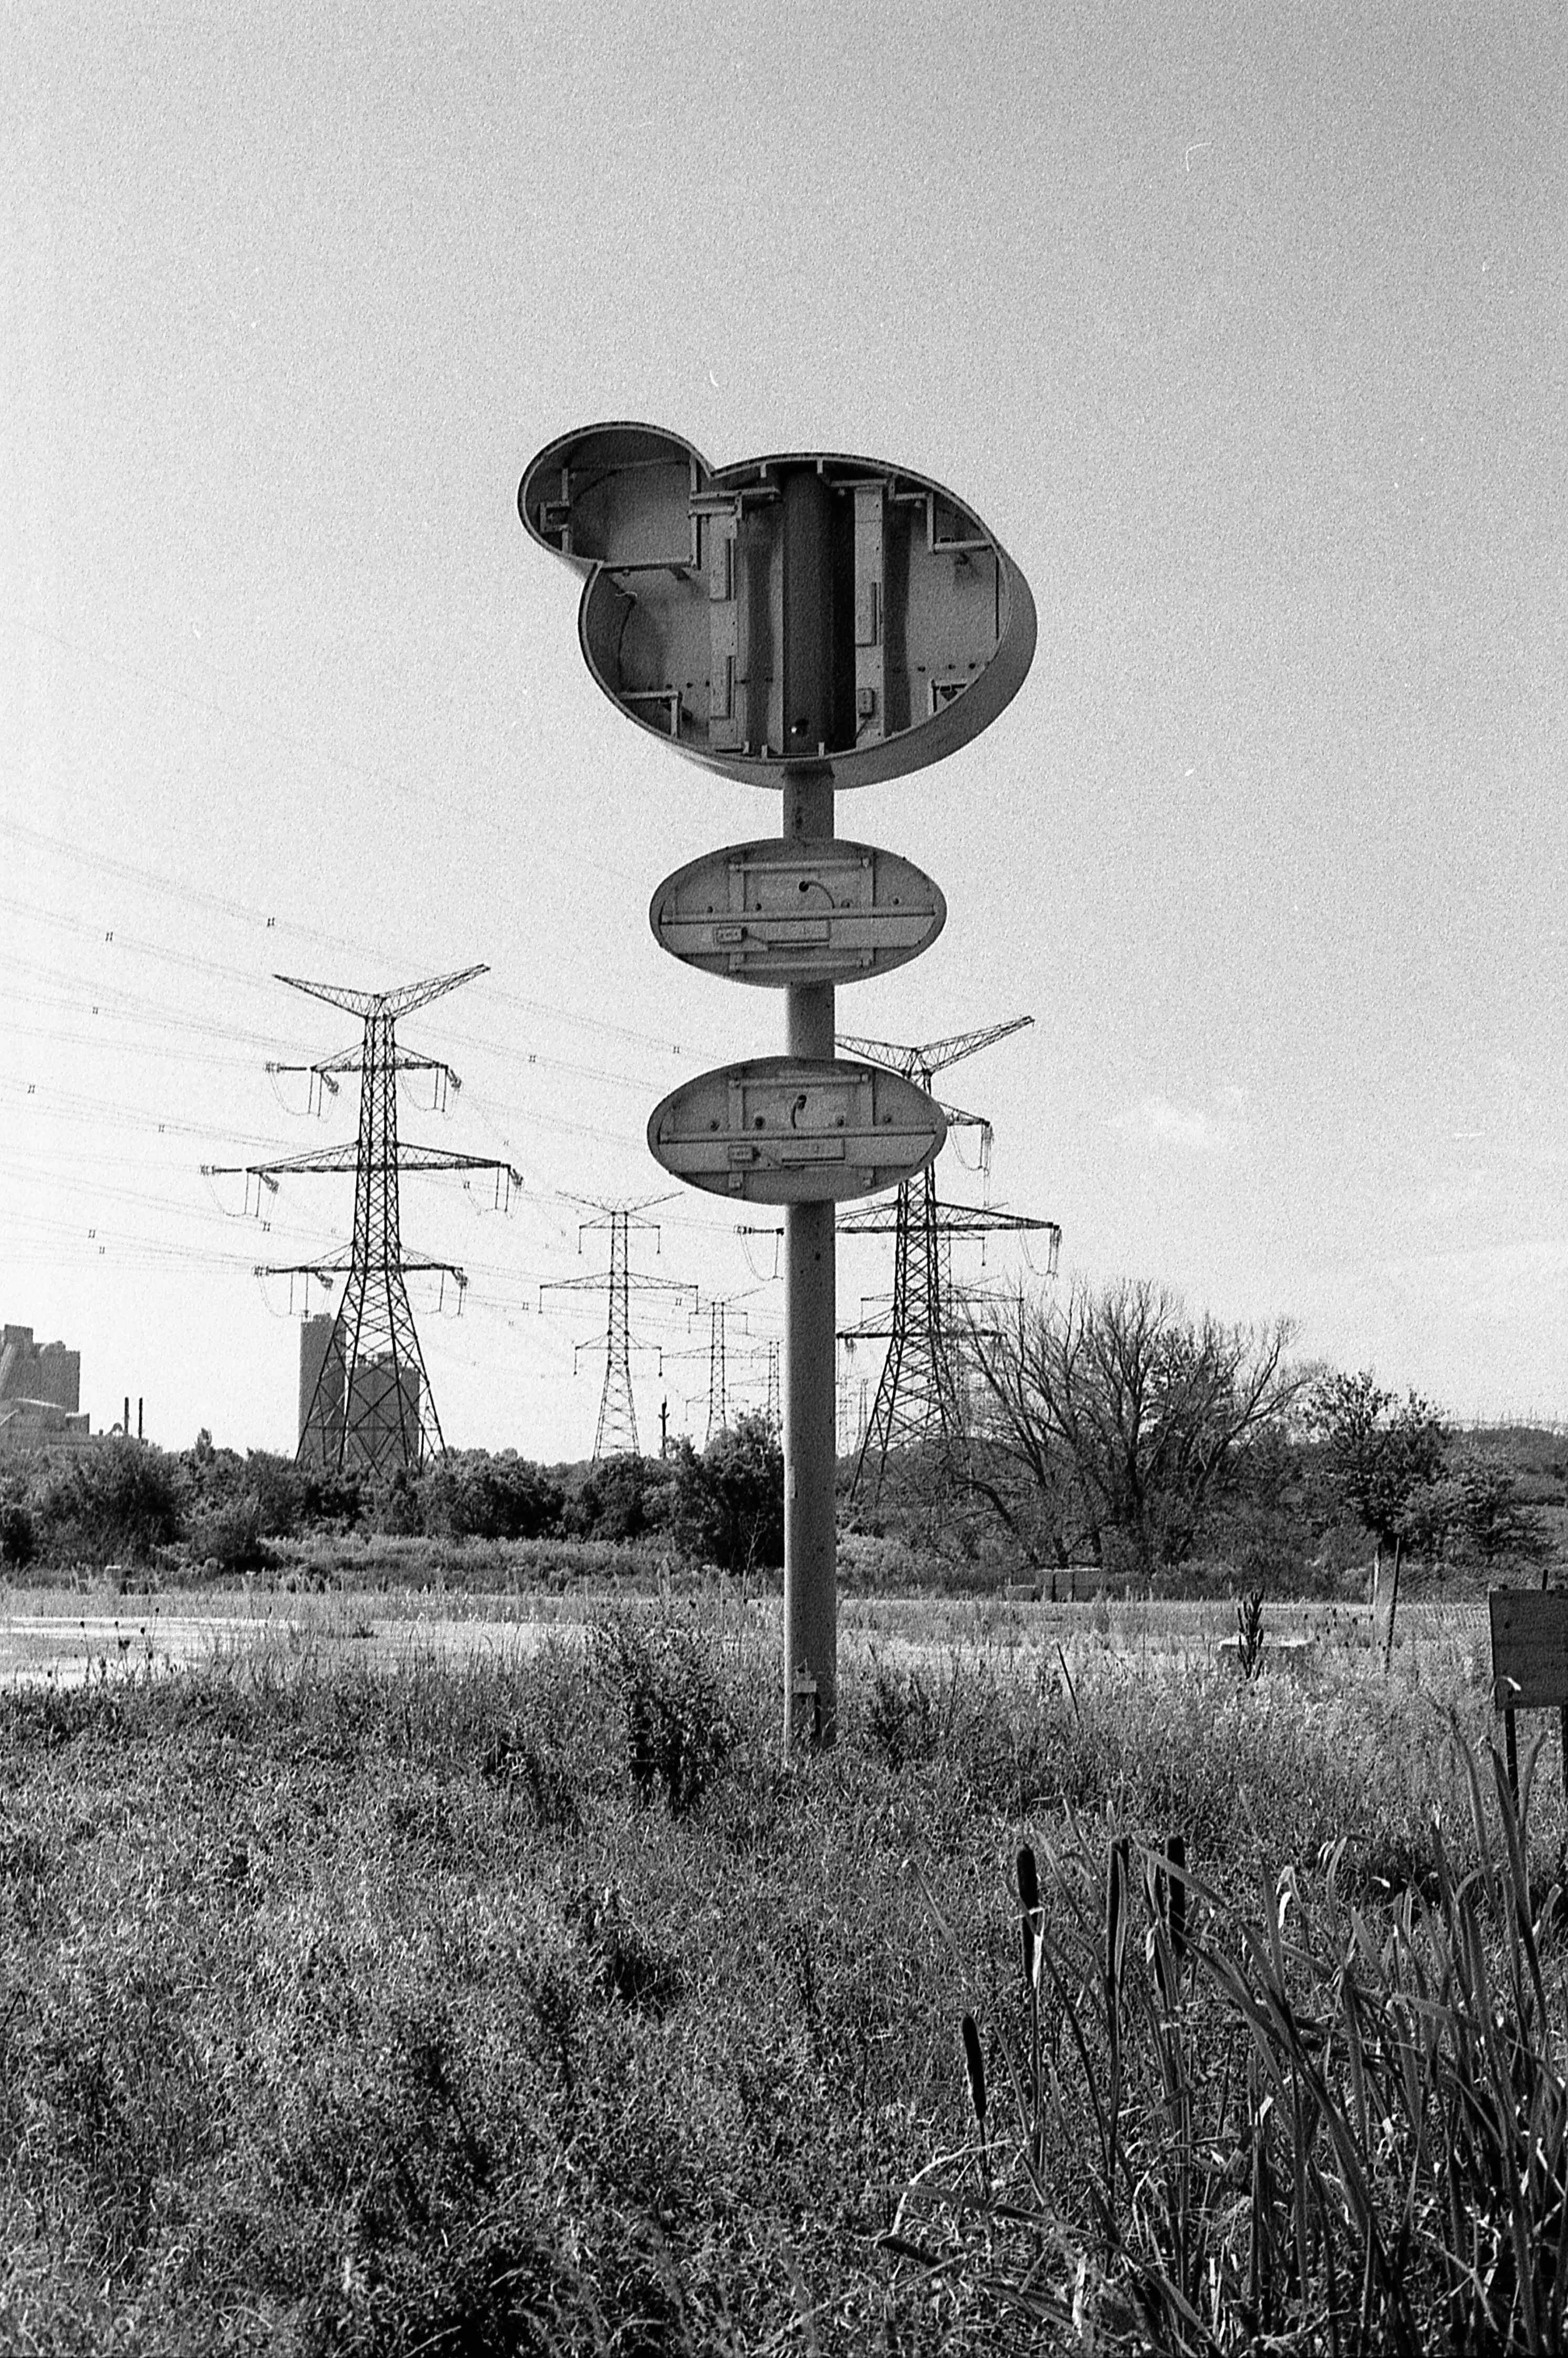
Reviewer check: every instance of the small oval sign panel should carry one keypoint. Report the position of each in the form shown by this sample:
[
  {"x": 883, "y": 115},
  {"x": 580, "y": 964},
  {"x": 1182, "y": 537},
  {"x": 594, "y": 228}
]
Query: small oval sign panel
[
  {"x": 793, "y": 1129},
  {"x": 780, "y": 912}
]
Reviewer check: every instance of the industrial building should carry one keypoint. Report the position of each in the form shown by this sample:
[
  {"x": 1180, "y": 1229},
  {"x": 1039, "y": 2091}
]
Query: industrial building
[
  {"x": 373, "y": 1422},
  {"x": 40, "y": 1390},
  {"x": 316, "y": 1347}
]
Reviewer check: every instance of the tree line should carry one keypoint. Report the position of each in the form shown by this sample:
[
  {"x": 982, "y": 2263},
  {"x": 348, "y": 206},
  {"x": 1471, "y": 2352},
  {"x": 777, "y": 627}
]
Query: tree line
[
  {"x": 1106, "y": 1427},
  {"x": 1107, "y": 1431},
  {"x": 128, "y": 1500}
]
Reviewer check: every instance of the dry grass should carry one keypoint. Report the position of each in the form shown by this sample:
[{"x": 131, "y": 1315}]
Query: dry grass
[{"x": 497, "y": 2006}]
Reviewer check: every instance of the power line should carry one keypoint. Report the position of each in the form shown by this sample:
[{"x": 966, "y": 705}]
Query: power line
[{"x": 152, "y": 881}]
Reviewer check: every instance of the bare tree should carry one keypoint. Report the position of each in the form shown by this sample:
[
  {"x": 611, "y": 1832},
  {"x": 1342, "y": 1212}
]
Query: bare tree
[{"x": 1122, "y": 1413}]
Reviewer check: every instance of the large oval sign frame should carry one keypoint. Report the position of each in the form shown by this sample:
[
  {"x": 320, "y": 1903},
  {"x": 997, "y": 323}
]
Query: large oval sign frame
[
  {"x": 705, "y": 585},
  {"x": 795, "y": 1129},
  {"x": 807, "y": 911}
]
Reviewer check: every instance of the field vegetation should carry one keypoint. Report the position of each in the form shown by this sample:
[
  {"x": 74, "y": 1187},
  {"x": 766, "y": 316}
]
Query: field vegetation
[
  {"x": 362, "y": 1992},
  {"x": 540, "y": 2005},
  {"x": 204, "y": 1514}
]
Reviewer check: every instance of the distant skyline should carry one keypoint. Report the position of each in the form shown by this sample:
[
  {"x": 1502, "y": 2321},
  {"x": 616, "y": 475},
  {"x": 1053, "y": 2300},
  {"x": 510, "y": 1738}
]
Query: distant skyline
[{"x": 1247, "y": 332}]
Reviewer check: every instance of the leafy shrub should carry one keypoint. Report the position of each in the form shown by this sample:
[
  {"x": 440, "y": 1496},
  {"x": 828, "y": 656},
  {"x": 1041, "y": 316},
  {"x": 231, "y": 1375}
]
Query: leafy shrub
[
  {"x": 328, "y": 1497},
  {"x": 871, "y": 1563},
  {"x": 904, "y": 1721},
  {"x": 397, "y": 1505},
  {"x": 230, "y": 1536},
  {"x": 290, "y": 1497},
  {"x": 728, "y": 1503},
  {"x": 234, "y": 1507},
  {"x": 470, "y": 1494},
  {"x": 123, "y": 1497},
  {"x": 18, "y": 1537},
  {"x": 620, "y": 1498},
  {"x": 679, "y": 1732}
]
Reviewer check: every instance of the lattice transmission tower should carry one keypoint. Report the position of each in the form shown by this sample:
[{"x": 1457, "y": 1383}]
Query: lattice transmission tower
[
  {"x": 718, "y": 1373},
  {"x": 918, "y": 1392},
  {"x": 728, "y": 1369},
  {"x": 718, "y": 1356},
  {"x": 370, "y": 1403},
  {"x": 616, "y": 1432}
]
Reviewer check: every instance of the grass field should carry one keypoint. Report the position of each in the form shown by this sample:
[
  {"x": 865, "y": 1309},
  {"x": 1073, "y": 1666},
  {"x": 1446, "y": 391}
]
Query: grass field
[
  {"x": 91, "y": 1628},
  {"x": 382, "y": 1992}
]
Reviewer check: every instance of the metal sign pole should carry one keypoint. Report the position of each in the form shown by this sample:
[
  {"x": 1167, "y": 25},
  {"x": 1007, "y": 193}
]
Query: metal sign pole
[
  {"x": 811, "y": 1301},
  {"x": 802, "y": 623},
  {"x": 811, "y": 1599}
]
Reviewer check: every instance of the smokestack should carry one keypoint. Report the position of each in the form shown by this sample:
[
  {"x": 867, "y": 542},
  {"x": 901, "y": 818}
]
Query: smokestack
[
  {"x": 125, "y": 1421},
  {"x": 139, "y": 1416}
]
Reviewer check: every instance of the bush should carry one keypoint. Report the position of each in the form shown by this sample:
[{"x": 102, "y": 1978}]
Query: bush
[
  {"x": 397, "y": 1505},
  {"x": 728, "y": 1503},
  {"x": 904, "y": 1719},
  {"x": 679, "y": 1732},
  {"x": 279, "y": 1497},
  {"x": 19, "y": 1539},
  {"x": 231, "y": 1536},
  {"x": 471, "y": 1495},
  {"x": 620, "y": 1498},
  {"x": 123, "y": 1497}
]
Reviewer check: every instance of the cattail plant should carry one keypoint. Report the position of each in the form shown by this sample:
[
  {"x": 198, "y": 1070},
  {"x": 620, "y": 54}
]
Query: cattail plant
[
  {"x": 975, "y": 2066},
  {"x": 1116, "y": 1897},
  {"x": 1176, "y": 1902},
  {"x": 1031, "y": 1926},
  {"x": 1307, "y": 2123},
  {"x": 1028, "y": 1918},
  {"x": 1249, "y": 1633},
  {"x": 1166, "y": 1939}
]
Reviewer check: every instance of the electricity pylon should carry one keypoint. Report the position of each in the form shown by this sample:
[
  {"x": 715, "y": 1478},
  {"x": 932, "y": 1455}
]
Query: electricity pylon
[
  {"x": 718, "y": 1368},
  {"x": 718, "y": 1386},
  {"x": 917, "y": 1393},
  {"x": 616, "y": 1432},
  {"x": 372, "y": 1405}
]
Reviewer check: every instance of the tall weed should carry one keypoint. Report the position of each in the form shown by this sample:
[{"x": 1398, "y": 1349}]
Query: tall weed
[
  {"x": 1291, "y": 2126},
  {"x": 678, "y": 1729}
]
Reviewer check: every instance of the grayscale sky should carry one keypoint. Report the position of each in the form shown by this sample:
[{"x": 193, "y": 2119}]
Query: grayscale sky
[{"x": 1244, "y": 328}]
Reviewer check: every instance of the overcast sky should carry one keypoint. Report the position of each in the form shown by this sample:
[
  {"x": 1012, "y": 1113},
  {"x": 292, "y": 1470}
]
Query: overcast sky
[{"x": 1246, "y": 330}]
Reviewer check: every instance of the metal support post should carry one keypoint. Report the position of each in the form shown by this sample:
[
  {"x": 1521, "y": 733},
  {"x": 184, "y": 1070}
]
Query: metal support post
[
  {"x": 798, "y": 579},
  {"x": 811, "y": 1599}
]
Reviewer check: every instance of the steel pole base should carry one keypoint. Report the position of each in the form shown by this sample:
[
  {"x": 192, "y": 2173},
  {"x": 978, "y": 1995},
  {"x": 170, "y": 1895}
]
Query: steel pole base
[
  {"x": 811, "y": 1597},
  {"x": 811, "y": 1359}
]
